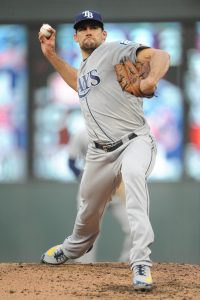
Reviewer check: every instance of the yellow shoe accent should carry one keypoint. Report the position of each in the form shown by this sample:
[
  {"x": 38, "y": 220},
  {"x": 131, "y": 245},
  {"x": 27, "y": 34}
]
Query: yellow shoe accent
[
  {"x": 51, "y": 250},
  {"x": 148, "y": 279}
]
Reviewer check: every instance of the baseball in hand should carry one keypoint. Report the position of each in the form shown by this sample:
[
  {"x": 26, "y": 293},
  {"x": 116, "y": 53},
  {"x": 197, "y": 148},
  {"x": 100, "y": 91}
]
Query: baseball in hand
[{"x": 45, "y": 30}]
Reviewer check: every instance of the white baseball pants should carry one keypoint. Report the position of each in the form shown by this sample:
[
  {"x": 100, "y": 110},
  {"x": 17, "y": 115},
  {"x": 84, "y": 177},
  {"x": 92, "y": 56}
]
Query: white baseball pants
[{"x": 133, "y": 161}]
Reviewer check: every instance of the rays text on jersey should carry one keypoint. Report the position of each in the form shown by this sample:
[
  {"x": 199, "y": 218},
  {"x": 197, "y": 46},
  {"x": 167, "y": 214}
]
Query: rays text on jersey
[{"x": 86, "y": 81}]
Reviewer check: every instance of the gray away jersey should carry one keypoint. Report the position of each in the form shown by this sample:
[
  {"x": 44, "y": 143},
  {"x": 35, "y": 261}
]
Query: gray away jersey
[{"x": 109, "y": 112}]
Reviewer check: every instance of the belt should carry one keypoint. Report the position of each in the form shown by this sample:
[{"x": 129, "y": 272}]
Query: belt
[{"x": 114, "y": 146}]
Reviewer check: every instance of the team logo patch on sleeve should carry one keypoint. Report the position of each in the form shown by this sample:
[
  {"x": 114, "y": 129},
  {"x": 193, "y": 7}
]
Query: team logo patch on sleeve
[{"x": 125, "y": 42}]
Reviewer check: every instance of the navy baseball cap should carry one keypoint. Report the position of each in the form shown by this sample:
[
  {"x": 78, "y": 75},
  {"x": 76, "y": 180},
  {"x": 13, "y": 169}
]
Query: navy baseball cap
[{"x": 88, "y": 15}]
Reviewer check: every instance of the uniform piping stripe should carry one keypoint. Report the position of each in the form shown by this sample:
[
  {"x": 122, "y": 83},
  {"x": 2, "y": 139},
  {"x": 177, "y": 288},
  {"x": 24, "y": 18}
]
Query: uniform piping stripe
[
  {"x": 147, "y": 196},
  {"x": 97, "y": 122},
  {"x": 151, "y": 157},
  {"x": 150, "y": 162},
  {"x": 147, "y": 193}
]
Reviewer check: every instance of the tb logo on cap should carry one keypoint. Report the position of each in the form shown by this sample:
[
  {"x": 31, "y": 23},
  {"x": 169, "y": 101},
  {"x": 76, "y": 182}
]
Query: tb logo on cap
[{"x": 88, "y": 14}]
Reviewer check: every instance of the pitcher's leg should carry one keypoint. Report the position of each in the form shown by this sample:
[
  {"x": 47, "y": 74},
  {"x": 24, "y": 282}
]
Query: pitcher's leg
[
  {"x": 91, "y": 256},
  {"x": 96, "y": 189},
  {"x": 137, "y": 163},
  {"x": 118, "y": 208}
]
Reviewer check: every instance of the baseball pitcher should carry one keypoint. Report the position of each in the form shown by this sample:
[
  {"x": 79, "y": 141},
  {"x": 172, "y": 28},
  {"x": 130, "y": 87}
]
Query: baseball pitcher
[{"x": 111, "y": 82}]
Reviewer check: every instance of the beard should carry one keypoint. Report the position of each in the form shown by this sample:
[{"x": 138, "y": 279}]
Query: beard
[{"x": 89, "y": 45}]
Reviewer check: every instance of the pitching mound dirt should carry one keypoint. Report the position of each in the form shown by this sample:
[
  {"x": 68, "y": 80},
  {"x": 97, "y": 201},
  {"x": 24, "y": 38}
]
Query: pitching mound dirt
[{"x": 96, "y": 281}]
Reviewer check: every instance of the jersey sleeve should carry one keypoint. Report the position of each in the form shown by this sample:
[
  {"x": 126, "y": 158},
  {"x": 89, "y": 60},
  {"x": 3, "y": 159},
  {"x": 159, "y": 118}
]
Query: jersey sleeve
[{"x": 120, "y": 50}]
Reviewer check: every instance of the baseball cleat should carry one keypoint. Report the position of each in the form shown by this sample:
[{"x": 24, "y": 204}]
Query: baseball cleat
[
  {"x": 142, "y": 278},
  {"x": 54, "y": 256}
]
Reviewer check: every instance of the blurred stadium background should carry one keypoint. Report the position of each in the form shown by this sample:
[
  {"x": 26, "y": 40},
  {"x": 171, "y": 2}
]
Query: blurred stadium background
[{"x": 39, "y": 113}]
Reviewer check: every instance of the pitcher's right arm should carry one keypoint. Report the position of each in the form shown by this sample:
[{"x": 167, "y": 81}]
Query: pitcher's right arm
[{"x": 67, "y": 72}]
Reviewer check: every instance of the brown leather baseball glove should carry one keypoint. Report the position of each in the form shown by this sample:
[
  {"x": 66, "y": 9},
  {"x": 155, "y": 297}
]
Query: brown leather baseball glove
[{"x": 129, "y": 76}]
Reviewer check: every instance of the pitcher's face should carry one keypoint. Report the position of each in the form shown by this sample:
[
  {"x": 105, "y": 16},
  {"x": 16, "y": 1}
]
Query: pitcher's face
[{"x": 89, "y": 36}]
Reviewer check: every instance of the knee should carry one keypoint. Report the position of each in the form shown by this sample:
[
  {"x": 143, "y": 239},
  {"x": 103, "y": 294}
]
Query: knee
[{"x": 134, "y": 174}]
